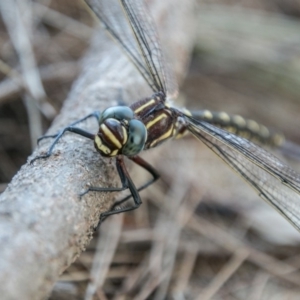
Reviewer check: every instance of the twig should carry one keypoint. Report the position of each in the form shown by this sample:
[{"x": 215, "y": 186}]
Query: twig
[
  {"x": 168, "y": 230},
  {"x": 227, "y": 271},
  {"x": 62, "y": 22},
  {"x": 57, "y": 71},
  {"x": 17, "y": 19},
  {"x": 229, "y": 242},
  {"x": 106, "y": 247},
  {"x": 44, "y": 225},
  {"x": 259, "y": 283}
]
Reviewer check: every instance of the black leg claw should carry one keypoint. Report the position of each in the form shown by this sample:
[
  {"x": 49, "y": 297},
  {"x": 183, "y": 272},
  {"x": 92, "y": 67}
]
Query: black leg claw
[
  {"x": 47, "y": 137},
  {"x": 101, "y": 220},
  {"x": 39, "y": 157},
  {"x": 83, "y": 193}
]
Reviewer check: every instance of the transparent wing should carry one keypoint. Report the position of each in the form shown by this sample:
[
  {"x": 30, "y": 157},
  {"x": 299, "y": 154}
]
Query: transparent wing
[
  {"x": 274, "y": 181},
  {"x": 130, "y": 24}
]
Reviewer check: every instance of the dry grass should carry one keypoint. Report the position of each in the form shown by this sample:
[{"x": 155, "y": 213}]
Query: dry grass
[{"x": 201, "y": 233}]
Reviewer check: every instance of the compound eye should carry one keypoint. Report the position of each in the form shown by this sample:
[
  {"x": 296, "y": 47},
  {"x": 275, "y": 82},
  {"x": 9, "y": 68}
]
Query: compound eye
[
  {"x": 137, "y": 136},
  {"x": 116, "y": 112}
]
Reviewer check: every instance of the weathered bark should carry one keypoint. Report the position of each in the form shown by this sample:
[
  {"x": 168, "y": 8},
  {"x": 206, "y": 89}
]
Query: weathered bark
[{"x": 43, "y": 224}]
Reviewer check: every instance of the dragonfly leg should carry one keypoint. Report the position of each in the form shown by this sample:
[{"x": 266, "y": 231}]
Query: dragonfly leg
[
  {"x": 124, "y": 180},
  {"x": 95, "y": 114},
  {"x": 127, "y": 183},
  {"x": 142, "y": 163},
  {"x": 59, "y": 135}
]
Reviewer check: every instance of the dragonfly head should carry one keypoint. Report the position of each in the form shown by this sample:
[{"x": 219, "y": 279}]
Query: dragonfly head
[{"x": 120, "y": 133}]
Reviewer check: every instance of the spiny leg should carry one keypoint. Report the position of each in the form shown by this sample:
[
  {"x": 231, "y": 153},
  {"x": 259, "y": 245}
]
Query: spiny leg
[
  {"x": 71, "y": 128},
  {"x": 126, "y": 183},
  {"x": 95, "y": 114},
  {"x": 59, "y": 135},
  {"x": 142, "y": 163}
]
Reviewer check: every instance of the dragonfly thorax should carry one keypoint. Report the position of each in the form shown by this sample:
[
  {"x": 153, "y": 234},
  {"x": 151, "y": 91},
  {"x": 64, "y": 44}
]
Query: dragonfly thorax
[{"x": 120, "y": 133}]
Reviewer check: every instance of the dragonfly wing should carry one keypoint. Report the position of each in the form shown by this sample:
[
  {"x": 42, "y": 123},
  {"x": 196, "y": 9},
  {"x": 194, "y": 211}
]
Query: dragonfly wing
[
  {"x": 129, "y": 23},
  {"x": 274, "y": 181},
  {"x": 147, "y": 38}
]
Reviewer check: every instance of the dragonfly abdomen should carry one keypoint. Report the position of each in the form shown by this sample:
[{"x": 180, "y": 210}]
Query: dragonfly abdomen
[{"x": 240, "y": 126}]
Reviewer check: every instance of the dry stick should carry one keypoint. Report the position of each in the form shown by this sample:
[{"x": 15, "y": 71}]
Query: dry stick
[
  {"x": 9, "y": 87},
  {"x": 274, "y": 266},
  {"x": 169, "y": 230},
  {"x": 283, "y": 270},
  {"x": 259, "y": 283},
  {"x": 62, "y": 22},
  {"x": 44, "y": 225},
  {"x": 226, "y": 272},
  {"x": 19, "y": 25},
  {"x": 106, "y": 247},
  {"x": 17, "y": 19},
  {"x": 184, "y": 272},
  {"x": 133, "y": 278}
]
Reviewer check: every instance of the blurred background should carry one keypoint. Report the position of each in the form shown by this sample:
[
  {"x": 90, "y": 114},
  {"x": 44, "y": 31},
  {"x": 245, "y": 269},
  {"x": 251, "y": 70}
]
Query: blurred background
[{"x": 201, "y": 231}]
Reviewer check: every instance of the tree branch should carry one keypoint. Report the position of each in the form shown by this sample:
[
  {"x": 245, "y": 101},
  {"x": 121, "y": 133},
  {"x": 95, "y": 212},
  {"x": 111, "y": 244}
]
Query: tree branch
[{"x": 43, "y": 224}]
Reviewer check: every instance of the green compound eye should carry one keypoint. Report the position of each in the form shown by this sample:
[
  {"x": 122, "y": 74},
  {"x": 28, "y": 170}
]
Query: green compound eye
[
  {"x": 137, "y": 136},
  {"x": 117, "y": 112}
]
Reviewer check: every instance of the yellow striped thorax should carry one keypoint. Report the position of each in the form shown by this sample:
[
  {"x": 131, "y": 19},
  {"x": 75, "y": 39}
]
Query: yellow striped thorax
[
  {"x": 120, "y": 133},
  {"x": 162, "y": 122}
]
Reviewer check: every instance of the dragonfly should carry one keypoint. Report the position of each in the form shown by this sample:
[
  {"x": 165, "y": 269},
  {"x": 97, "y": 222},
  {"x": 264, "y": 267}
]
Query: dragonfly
[{"x": 126, "y": 131}]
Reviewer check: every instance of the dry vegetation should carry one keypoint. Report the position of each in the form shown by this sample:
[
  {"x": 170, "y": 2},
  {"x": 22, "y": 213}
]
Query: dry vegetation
[{"x": 201, "y": 233}]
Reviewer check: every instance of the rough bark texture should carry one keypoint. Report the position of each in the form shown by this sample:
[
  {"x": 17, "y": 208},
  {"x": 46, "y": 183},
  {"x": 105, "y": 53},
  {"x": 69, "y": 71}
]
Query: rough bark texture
[{"x": 43, "y": 224}]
